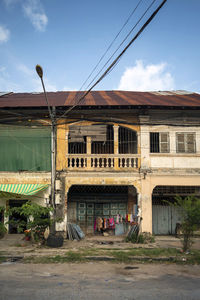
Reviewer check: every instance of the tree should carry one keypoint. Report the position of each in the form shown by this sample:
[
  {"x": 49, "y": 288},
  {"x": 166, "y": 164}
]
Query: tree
[
  {"x": 3, "y": 229},
  {"x": 190, "y": 218},
  {"x": 38, "y": 219}
]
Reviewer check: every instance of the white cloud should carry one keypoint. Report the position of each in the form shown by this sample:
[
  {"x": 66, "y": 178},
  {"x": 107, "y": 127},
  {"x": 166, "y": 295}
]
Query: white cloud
[
  {"x": 33, "y": 82},
  {"x": 10, "y": 2},
  {"x": 23, "y": 79},
  {"x": 146, "y": 78},
  {"x": 4, "y": 34},
  {"x": 67, "y": 88},
  {"x": 35, "y": 12},
  {"x": 6, "y": 84}
]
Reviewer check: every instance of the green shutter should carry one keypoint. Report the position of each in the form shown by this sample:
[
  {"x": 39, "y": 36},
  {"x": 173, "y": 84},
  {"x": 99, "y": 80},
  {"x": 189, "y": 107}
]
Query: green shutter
[{"x": 25, "y": 148}]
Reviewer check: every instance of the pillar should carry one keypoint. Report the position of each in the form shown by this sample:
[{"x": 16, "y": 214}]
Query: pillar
[
  {"x": 144, "y": 142},
  {"x": 132, "y": 198},
  {"x": 145, "y": 204},
  {"x": 116, "y": 144},
  {"x": 89, "y": 151}
]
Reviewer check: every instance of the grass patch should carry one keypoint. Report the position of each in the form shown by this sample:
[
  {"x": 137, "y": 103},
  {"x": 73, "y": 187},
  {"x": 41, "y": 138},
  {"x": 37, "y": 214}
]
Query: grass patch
[
  {"x": 2, "y": 259},
  {"x": 169, "y": 255},
  {"x": 68, "y": 257},
  {"x": 89, "y": 251},
  {"x": 154, "y": 252}
]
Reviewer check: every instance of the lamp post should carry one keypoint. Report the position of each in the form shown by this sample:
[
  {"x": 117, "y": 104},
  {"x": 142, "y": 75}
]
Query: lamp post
[{"x": 54, "y": 242}]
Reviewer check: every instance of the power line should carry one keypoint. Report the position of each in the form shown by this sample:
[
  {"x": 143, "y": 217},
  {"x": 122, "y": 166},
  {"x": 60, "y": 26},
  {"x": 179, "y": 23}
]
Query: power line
[
  {"x": 122, "y": 42},
  {"x": 102, "y": 57},
  {"x": 116, "y": 59}
]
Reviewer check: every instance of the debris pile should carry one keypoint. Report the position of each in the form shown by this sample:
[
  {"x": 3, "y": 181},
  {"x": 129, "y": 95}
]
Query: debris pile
[
  {"x": 74, "y": 232},
  {"x": 134, "y": 231}
]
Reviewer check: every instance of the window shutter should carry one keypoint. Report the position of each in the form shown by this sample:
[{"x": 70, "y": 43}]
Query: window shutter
[
  {"x": 190, "y": 143},
  {"x": 164, "y": 142},
  {"x": 180, "y": 142}
]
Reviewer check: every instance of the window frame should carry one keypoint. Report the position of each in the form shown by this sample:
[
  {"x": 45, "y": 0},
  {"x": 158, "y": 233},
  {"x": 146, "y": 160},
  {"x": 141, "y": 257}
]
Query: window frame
[
  {"x": 185, "y": 142},
  {"x": 159, "y": 142}
]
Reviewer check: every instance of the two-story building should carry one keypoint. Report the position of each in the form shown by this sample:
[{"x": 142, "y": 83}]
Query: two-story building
[{"x": 118, "y": 153}]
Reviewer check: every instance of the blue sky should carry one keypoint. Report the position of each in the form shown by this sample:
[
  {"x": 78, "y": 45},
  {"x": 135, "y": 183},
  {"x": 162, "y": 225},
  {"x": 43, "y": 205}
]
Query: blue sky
[{"x": 67, "y": 38}]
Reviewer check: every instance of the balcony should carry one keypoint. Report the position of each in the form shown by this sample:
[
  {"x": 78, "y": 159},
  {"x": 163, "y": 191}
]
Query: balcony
[
  {"x": 102, "y": 161},
  {"x": 101, "y": 148}
]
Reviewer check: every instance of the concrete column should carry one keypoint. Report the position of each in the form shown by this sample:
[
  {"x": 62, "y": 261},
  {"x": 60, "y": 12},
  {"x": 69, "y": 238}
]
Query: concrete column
[
  {"x": 89, "y": 151},
  {"x": 62, "y": 226},
  {"x": 132, "y": 198},
  {"x": 145, "y": 204},
  {"x": 116, "y": 139},
  {"x": 67, "y": 141},
  {"x": 116, "y": 144},
  {"x": 172, "y": 141},
  {"x": 144, "y": 142},
  {"x": 89, "y": 145}
]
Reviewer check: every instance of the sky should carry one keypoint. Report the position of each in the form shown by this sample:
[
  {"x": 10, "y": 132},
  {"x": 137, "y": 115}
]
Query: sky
[{"x": 68, "y": 38}]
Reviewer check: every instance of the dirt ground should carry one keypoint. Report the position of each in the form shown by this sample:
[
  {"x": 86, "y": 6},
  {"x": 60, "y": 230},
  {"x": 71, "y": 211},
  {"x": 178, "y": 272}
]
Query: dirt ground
[{"x": 14, "y": 244}]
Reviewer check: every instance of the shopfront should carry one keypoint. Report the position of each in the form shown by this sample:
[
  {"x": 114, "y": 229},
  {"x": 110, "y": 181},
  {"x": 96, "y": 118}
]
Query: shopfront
[{"x": 87, "y": 204}]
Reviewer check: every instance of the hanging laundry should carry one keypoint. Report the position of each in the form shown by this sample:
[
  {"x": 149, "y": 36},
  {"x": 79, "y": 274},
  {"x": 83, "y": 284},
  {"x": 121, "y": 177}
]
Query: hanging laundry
[
  {"x": 111, "y": 223},
  {"x": 117, "y": 219},
  {"x": 131, "y": 218},
  {"x": 121, "y": 219},
  {"x": 104, "y": 223},
  {"x": 99, "y": 223}
]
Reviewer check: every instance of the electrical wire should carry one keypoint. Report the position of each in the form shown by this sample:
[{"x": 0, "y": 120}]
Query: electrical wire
[
  {"x": 109, "y": 47},
  {"x": 116, "y": 59},
  {"x": 126, "y": 37}
]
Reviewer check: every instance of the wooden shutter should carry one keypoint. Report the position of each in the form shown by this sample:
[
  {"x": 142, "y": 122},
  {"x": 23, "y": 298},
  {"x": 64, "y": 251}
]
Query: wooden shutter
[
  {"x": 180, "y": 142},
  {"x": 164, "y": 142},
  {"x": 190, "y": 140}
]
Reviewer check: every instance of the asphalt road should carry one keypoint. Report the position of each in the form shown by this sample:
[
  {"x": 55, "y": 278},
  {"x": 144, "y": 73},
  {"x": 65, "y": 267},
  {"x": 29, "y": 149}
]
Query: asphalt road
[{"x": 99, "y": 281}]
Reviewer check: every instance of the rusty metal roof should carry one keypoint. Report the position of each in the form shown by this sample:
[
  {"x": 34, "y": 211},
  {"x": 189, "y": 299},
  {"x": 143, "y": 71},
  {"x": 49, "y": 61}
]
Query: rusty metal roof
[{"x": 103, "y": 98}]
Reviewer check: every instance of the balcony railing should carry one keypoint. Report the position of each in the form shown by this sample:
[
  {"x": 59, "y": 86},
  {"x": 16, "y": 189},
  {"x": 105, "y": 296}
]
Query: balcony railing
[{"x": 102, "y": 161}]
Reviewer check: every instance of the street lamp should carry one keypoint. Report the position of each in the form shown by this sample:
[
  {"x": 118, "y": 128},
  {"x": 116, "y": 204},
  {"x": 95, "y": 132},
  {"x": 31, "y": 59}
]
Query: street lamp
[{"x": 53, "y": 240}]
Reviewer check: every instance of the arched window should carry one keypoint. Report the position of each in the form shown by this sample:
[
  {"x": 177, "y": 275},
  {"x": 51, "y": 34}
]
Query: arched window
[{"x": 127, "y": 141}]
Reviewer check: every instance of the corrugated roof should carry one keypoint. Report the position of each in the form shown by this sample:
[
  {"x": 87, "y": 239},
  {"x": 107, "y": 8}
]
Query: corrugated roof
[{"x": 103, "y": 98}]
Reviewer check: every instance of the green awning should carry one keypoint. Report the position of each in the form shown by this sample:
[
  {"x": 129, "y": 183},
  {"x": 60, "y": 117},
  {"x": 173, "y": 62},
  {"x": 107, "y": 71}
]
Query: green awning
[{"x": 23, "y": 189}]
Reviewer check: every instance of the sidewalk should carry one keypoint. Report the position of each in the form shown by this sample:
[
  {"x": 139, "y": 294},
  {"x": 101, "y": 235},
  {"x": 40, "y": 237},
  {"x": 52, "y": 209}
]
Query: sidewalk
[{"x": 15, "y": 245}]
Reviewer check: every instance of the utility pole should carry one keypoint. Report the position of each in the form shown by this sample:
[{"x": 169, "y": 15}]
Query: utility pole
[
  {"x": 53, "y": 240},
  {"x": 53, "y": 164}
]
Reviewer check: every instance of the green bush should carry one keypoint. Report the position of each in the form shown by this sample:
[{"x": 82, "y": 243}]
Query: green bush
[
  {"x": 142, "y": 238},
  {"x": 3, "y": 230},
  {"x": 190, "y": 218}
]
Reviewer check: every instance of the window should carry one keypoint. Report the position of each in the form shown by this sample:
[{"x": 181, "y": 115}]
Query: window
[
  {"x": 127, "y": 141},
  {"x": 159, "y": 142},
  {"x": 185, "y": 143}
]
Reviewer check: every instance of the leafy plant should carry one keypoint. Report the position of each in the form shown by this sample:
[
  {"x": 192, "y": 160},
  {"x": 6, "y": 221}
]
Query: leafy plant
[
  {"x": 3, "y": 230},
  {"x": 190, "y": 215},
  {"x": 38, "y": 219},
  {"x": 143, "y": 238}
]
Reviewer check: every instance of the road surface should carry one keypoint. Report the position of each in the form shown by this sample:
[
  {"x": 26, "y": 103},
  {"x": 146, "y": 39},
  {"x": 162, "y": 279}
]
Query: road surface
[{"x": 99, "y": 281}]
